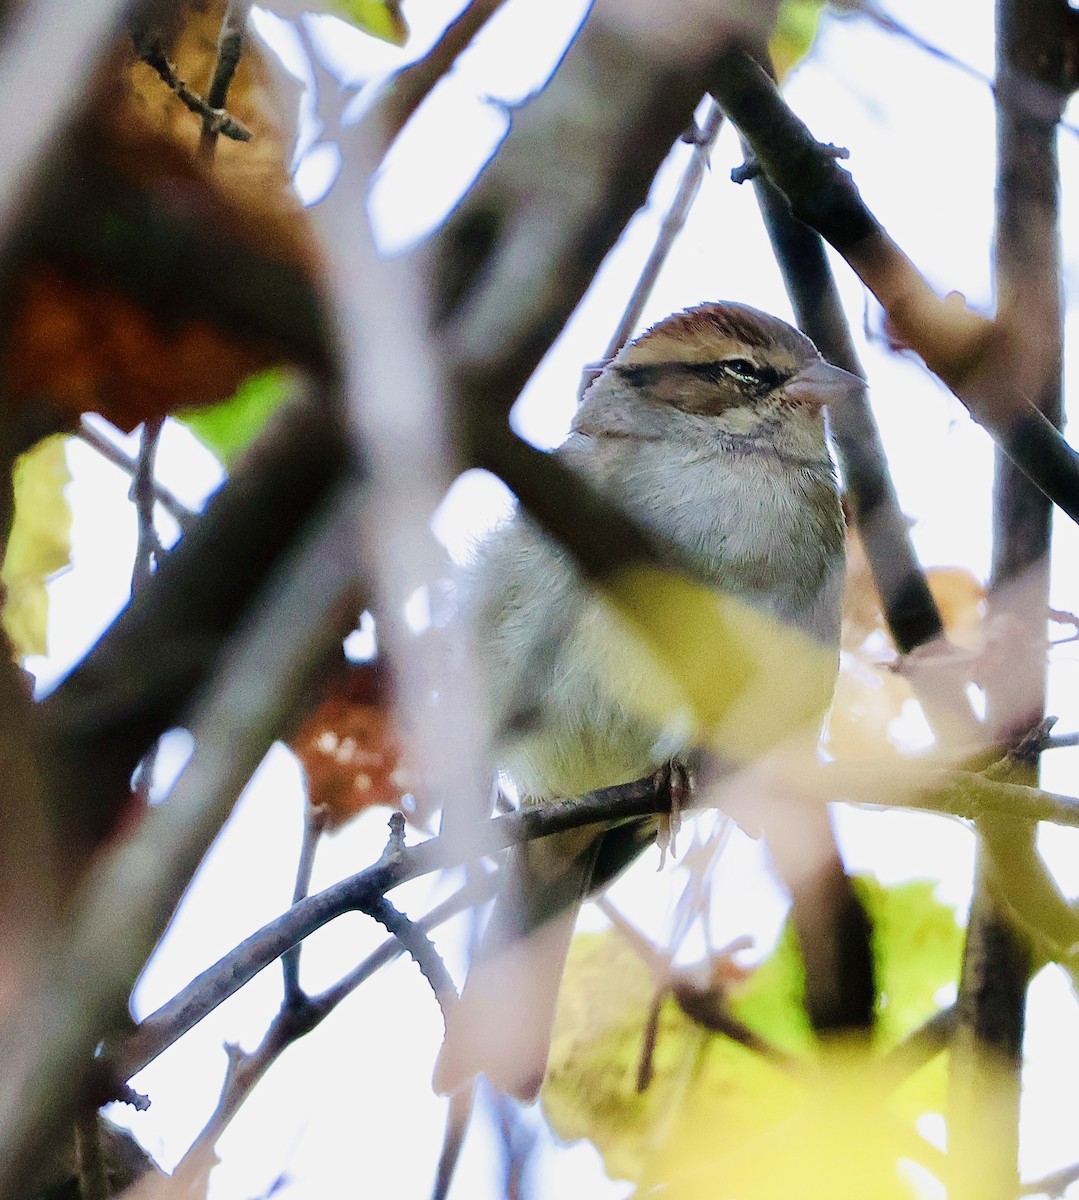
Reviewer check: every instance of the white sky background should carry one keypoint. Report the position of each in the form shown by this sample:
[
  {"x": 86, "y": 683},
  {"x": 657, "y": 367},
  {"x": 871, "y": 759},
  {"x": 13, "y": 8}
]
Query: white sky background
[{"x": 350, "y": 1108}]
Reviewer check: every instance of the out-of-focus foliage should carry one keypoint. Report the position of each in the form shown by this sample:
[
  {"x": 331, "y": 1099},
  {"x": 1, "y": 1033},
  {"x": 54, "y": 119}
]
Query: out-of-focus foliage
[
  {"x": 230, "y": 427},
  {"x": 76, "y": 335},
  {"x": 349, "y": 748},
  {"x": 40, "y": 543},
  {"x": 872, "y": 693},
  {"x": 714, "y": 1108},
  {"x": 381, "y": 18},
  {"x": 740, "y": 680},
  {"x": 795, "y": 32}
]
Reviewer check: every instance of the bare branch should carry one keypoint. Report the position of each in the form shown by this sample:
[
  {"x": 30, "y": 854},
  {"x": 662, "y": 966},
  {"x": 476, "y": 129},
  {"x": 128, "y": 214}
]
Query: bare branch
[
  {"x": 969, "y": 353},
  {"x": 128, "y": 900},
  {"x": 458, "y": 1115},
  {"x": 143, "y": 494},
  {"x": 704, "y": 140},
  {"x": 108, "y": 450},
  {"x": 220, "y": 981},
  {"x": 229, "y": 48},
  {"x": 214, "y": 117},
  {"x": 314, "y": 823}
]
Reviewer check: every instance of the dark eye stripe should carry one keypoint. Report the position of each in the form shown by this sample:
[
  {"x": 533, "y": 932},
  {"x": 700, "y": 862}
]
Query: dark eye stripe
[{"x": 727, "y": 371}]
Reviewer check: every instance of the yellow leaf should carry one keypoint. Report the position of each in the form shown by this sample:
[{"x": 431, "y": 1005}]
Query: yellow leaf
[
  {"x": 738, "y": 680},
  {"x": 39, "y": 545},
  {"x": 380, "y": 18},
  {"x": 795, "y": 32}
]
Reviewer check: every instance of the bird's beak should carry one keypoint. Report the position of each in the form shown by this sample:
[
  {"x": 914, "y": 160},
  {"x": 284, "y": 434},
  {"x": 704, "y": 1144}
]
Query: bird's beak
[{"x": 820, "y": 383}]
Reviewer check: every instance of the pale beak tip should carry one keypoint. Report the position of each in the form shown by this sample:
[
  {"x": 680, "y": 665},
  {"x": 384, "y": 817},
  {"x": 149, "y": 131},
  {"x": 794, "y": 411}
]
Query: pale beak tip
[{"x": 820, "y": 383}]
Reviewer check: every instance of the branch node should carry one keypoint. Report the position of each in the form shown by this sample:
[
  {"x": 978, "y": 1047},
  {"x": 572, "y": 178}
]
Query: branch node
[
  {"x": 395, "y": 844},
  {"x": 750, "y": 169}
]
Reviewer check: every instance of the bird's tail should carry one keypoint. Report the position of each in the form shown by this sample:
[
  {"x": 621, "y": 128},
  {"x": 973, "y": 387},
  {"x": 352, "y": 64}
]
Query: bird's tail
[{"x": 501, "y": 1027}]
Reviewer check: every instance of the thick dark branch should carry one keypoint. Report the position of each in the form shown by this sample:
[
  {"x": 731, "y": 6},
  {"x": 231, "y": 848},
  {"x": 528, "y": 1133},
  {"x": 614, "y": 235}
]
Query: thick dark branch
[
  {"x": 999, "y": 956},
  {"x": 909, "y": 607},
  {"x": 972, "y": 355},
  {"x": 127, "y": 901}
]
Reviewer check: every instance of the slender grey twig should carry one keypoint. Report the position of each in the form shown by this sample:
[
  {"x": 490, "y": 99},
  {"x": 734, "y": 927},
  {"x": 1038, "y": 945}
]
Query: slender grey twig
[
  {"x": 148, "y": 550},
  {"x": 704, "y": 139},
  {"x": 180, "y": 513},
  {"x": 229, "y": 49},
  {"x": 314, "y": 824}
]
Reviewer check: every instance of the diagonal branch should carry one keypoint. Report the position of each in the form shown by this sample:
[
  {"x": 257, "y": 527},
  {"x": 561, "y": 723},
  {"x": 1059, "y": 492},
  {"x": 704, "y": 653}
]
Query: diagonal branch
[
  {"x": 972, "y": 355},
  {"x": 127, "y": 901}
]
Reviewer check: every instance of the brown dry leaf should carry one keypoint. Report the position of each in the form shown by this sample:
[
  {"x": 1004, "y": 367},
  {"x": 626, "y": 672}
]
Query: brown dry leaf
[
  {"x": 871, "y": 693},
  {"x": 961, "y": 600},
  {"x": 85, "y": 339},
  {"x": 90, "y": 348},
  {"x": 960, "y": 596},
  {"x": 349, "y": 749}
]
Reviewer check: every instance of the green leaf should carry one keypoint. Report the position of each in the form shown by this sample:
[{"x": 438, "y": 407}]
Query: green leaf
[
  {"x": 709, "y": 1097},
  {"x": 230, "y": 427},
  {"x": 380, "y": 18},
  {"x": 39, "y": 545},
  {"x": 795, "y": 33}
]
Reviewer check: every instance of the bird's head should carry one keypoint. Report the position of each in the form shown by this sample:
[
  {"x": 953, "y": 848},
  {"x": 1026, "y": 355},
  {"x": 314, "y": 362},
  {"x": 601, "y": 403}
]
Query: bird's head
[{"x": 723, "y": 372}]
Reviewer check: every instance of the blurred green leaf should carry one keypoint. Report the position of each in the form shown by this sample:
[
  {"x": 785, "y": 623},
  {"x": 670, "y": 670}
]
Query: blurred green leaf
[
  {"x": 230, "y": 427},
  {"x": 711, "y": 1098},
  {"x": 380, "y": 18},
  {"x": 39, "y": 545},
  {"x": 795, "y": 32}
]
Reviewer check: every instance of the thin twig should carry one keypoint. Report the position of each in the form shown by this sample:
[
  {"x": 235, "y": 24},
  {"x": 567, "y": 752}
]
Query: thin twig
[
  {"x": 314, "y": 823},
  {"x": 518, "y": 1142},
  {"x": 151, "y": 52},
  {"x": 884, "y": 20},
  {"x": 229, "y": 48},
  {"x": 704, "y": 139},
  {"x": 142, "y": 495},
  {"x": 919, "y": 1047},
  {"x": 420, "y": 949},
  {"x": 458, "y": 1116},
  {"x": 1062, "y": 741},
  {"x": 1053, "y": 1185},
  {"x": 180, "y": 513}
]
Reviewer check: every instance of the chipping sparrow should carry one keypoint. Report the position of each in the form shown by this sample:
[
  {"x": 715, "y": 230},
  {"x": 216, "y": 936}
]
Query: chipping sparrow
[{"x": 708, "y": 430}]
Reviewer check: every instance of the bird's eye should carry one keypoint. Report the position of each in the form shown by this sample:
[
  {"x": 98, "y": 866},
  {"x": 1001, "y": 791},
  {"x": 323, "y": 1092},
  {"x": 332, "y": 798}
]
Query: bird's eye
[{"x": 743, "y": 371}]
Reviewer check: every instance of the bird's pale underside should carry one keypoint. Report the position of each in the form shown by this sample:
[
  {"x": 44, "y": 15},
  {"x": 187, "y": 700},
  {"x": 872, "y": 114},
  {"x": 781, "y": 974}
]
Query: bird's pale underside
[{"x": 708, "y": 429}]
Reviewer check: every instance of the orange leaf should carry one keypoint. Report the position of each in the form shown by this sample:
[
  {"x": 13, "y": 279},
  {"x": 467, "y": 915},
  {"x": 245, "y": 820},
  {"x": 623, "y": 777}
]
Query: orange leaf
[{"x": 349, "y": 749}]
